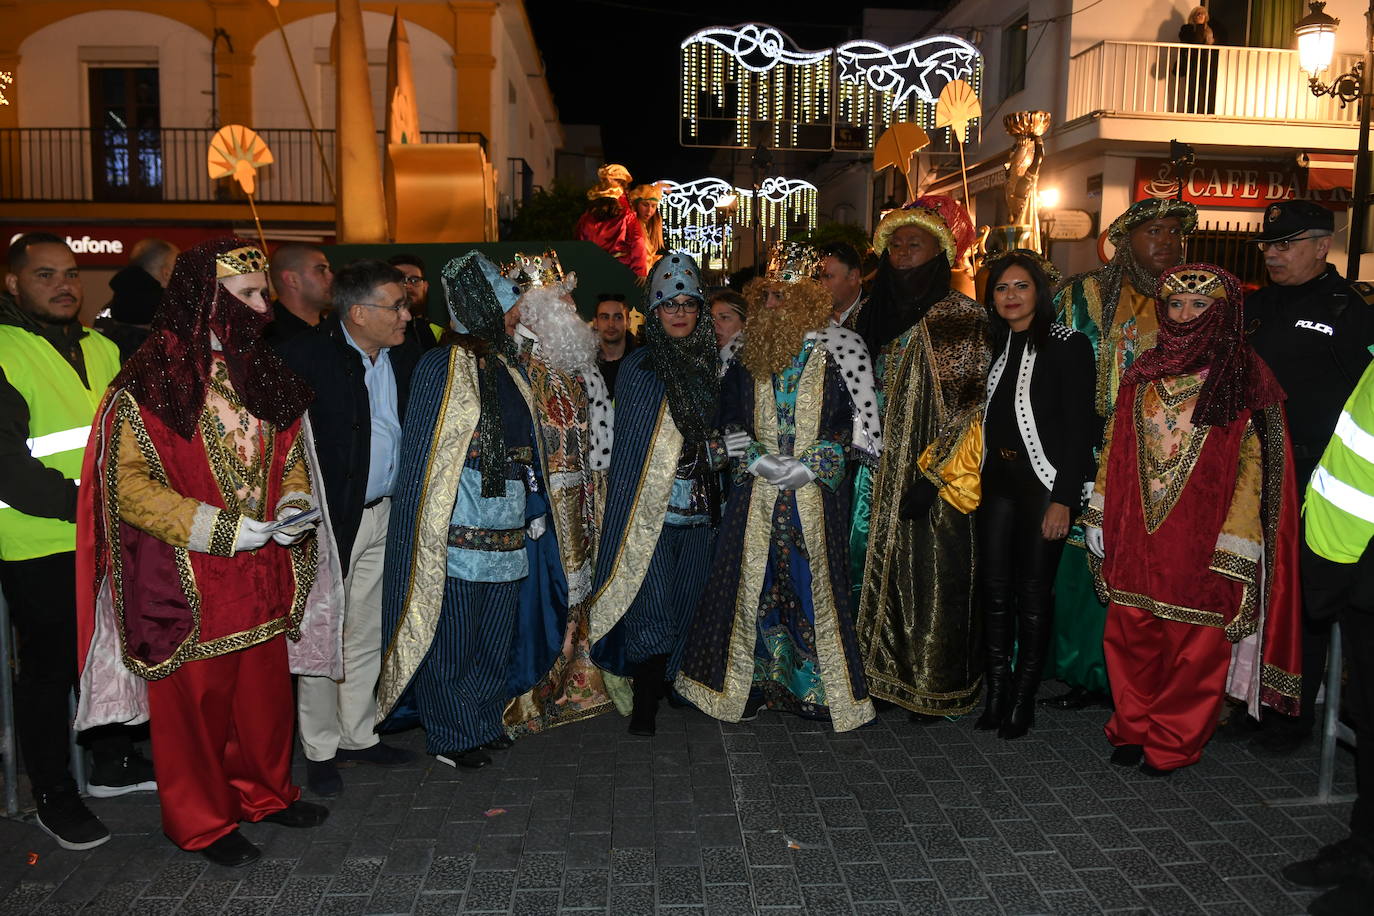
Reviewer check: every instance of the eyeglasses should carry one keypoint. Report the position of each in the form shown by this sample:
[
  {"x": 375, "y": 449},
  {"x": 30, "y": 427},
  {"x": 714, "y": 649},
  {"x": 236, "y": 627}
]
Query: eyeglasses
[
  {"x": 393, "y": 309},
  {"x": 672, "y": 308},
  {"x": 412, "y": 281},
  {"x": 1286, "y": 243}
]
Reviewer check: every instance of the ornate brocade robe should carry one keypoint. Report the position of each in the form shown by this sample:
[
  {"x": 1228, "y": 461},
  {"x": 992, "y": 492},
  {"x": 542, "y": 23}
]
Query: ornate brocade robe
[
  {"x": 574, "y": 688},
  {"x": 919, "y": 624},
  {"x": 1201, "y": 528},
  {"x": 756, "y": 626},
  {"x": 160, "y": 584}
]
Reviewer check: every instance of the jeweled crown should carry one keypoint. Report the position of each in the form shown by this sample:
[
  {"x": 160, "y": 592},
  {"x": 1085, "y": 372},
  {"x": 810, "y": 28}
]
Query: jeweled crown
[
  {"x": 1198, "y": 282},
  {"x": 247, "y": 260},
  {"x": 528, "y": 272},
  {"x": 789, "y": 262}
]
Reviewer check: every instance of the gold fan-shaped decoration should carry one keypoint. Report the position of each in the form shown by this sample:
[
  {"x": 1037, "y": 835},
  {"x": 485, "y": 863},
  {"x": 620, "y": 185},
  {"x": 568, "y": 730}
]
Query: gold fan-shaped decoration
[
  {"x": 896, "y": 147},
  {"x": 239, "y": 152},
  {"x": 957, "y": 105}
]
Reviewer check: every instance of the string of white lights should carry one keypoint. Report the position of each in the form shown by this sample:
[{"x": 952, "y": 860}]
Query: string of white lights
[{"x": 701, "y": 216}]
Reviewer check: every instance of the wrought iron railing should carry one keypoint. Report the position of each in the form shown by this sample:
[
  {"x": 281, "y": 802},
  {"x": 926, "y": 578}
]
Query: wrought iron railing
[
  {"x": 1181, "y": 80},
  {"x": 73, "y": 164}
]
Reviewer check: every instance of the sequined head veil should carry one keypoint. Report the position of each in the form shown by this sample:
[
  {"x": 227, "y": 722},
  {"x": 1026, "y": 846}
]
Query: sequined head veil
[
  {"x": 169, "y": 373},
  {"x": 1237, "y": 379}
]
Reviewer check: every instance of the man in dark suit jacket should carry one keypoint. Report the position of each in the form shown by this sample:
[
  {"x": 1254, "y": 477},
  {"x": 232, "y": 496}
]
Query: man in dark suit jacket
[{"x": 360, "y": 365}]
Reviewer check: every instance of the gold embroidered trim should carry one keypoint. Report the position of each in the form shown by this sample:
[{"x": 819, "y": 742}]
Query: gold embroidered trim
[
  {"x": 423, "y": 597},
  {"x": 1234, "y": 566},
  {"x": 1166, "y": 611},
  {"x": 1284, "y": 682},
  {"x": 223, "y": 533}
]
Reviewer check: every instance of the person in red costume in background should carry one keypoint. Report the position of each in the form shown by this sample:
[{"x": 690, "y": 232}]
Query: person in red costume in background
[
  {"x": 1196, "y": 528},
  {"x": 610, "y": 222},
  {"x": 186, "y": 589}
]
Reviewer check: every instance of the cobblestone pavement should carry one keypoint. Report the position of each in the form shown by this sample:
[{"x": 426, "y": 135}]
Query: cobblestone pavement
[{"x": 778, "y": 816}]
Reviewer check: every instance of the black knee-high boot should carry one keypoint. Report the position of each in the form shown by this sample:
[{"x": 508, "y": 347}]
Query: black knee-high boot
[
  {"x": 997, "y": 626},
  {"x": 1036, "y": 618},
  {"x": 648, "y": 687}
]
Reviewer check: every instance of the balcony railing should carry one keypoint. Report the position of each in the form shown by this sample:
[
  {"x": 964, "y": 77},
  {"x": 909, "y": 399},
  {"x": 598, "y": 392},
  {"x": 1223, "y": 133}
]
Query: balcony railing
[
  {"x": 166, "y": 165},
  {"x": 1178, "y": 80}
]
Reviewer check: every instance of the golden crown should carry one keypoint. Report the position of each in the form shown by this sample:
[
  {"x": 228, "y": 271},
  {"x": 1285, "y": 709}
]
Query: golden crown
[
  {"x": 1199, "y": 282},
  {"x": 528, "y": 272},
  {"x": 247, "y": 260},
  {"x": 792, "y": 261}
]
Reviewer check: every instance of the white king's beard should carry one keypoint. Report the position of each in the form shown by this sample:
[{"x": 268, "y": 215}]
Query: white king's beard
[{"x": 565, "y": 342}]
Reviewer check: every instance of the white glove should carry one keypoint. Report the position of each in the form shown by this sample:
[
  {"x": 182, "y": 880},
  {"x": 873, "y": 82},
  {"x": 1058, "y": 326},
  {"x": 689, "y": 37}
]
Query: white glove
[
  {"x": 291, "y": 533},
  {"x": 736, "y": 443},
  {"x": 251, "y": 535},
  {"x": 769, "y": 467},
  {"x": 1093, "y": 538},
  {"x": 535, "y": 529},
  {"x": 796, "y": 475}
]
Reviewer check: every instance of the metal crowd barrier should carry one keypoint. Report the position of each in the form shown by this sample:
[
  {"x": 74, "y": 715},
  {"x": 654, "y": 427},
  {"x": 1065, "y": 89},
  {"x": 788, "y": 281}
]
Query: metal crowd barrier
[
  {"x": 8, "y": 744},
  {"x": 1333, "y": 730}
]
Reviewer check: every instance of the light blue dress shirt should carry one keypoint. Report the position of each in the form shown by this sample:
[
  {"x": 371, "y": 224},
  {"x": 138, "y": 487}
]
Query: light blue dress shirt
[{"x": 386, "y": 421}]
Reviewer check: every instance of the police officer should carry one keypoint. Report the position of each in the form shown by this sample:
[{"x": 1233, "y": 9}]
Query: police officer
[{"x": 1313, "y": 327}]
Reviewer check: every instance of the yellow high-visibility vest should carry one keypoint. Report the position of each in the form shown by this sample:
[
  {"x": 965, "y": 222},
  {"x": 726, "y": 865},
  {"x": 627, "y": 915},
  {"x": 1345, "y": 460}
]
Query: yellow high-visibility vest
[{"x": 61, "y": 410}]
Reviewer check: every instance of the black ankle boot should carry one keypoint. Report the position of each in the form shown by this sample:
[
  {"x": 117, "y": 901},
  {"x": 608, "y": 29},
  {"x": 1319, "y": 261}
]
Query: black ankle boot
[
  {"x": 1033, "y": 640},
  {"x": 648, "y": 690},
  {"x": 997, "y": 617}
]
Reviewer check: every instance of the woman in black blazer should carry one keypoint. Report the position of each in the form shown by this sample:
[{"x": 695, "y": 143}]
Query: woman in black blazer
[{"x": 1039, "y": 427}]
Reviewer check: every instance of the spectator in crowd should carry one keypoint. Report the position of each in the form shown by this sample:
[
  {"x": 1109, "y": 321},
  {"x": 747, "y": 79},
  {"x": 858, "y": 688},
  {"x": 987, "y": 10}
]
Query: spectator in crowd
[
  {"x": 302, "y": 278},
  {"x": 419, "y": 329},
  {"x": 359, "y": 365},
  {"x": 137, "y": 293},
  {"x": 614, "y": 338},
  {"x": 841, "y": 273},
  {"x": 727, "y": 315}
]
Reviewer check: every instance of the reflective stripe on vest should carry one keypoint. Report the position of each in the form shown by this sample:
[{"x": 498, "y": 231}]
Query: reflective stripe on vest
[{"x": 61, "y": 408}]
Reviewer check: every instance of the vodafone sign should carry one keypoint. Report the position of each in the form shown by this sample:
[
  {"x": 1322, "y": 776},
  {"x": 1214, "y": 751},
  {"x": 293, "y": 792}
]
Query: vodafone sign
[{"x": 109, "y": 246}]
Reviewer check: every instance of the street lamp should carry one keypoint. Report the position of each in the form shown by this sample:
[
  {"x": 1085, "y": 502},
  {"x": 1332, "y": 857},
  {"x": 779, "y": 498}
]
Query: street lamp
[{"x": 1316, "y": 34}]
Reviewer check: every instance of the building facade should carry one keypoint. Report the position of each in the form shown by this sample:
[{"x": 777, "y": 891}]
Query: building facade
[
  {"x": 112, "y": 107},
  {"x": 1120, "y": 86}
]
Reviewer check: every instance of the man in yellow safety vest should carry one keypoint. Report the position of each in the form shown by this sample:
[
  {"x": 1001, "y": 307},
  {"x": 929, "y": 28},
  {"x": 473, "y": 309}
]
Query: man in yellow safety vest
[{"x": 53, "y": 373}]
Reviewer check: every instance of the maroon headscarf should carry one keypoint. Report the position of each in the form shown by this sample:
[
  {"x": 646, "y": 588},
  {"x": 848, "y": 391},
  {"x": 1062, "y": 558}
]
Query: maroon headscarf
[
  {"x": 1237, "y": 378},
  {"x": 169, "y": 372}
]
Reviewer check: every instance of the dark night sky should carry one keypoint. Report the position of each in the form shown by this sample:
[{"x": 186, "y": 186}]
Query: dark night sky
[{"x": 616, "y": 64}]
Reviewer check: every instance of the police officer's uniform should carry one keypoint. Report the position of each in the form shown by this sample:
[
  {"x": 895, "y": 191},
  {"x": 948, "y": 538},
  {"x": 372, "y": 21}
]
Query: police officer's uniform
[{"x": 1315, "y": 337}]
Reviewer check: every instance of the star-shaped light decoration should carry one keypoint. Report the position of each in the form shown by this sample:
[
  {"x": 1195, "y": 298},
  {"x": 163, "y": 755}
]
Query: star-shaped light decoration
[{"x": 237, "y": 151}]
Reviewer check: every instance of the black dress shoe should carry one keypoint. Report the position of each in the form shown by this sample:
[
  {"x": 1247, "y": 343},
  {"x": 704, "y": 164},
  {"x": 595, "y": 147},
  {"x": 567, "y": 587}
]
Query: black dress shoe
[
  {"x": 298, "y": 814},
  {"x": 503, "y": 743},
  {"x": 1342, "y": 861},
  {"x": 1153, "y": 772},
  {"x": 322, "y": 777},
  {"x": 920, "y": 718},
  {"x": 474, "y": 758},
  {"x": 1281, "y": 738},
  {"x": 233, "y": 850},
  {"x": 1128, "y": 755}
]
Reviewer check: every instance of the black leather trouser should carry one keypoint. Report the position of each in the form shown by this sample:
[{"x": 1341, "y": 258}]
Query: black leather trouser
[{"x": 1016, "y": 569}]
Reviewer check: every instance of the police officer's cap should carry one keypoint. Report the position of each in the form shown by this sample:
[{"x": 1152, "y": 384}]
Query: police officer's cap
[{"x": 1289, "y": 219}]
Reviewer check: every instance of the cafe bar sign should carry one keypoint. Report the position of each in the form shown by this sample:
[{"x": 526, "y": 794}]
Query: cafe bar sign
[{"x": 1250, "y": 184}]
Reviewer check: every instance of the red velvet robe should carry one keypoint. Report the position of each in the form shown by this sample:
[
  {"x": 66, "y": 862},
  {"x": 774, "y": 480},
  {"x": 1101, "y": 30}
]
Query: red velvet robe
[
  {"x": 1176, "y": 571},
  {"x": 176, "y": 605}
]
